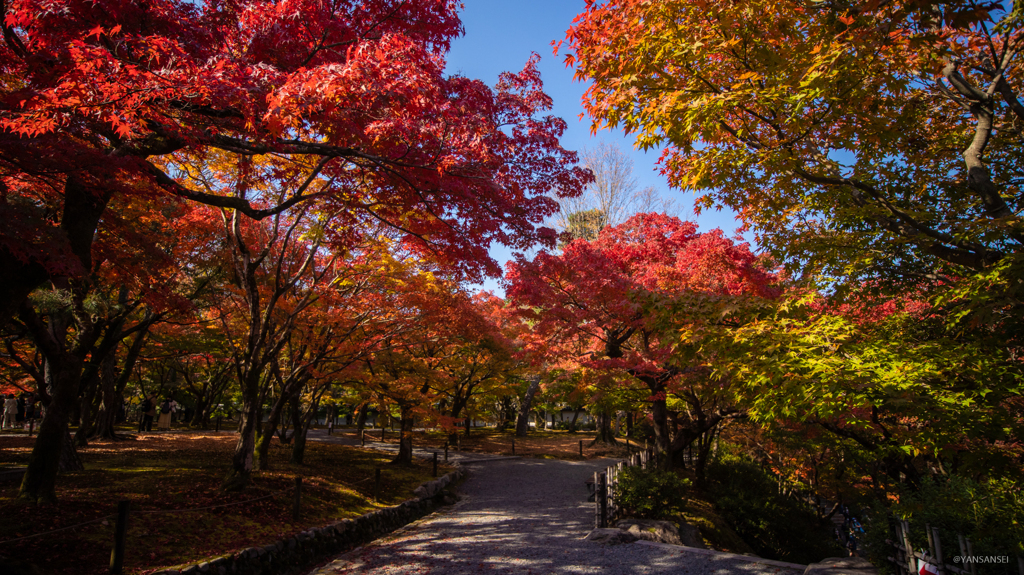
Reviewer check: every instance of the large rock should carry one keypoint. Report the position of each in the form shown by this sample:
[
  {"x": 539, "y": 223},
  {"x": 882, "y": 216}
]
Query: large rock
[
  {"x": 841, "y": 566},
  {"x": 662, "y": 532},
  {"x": 690, "y": 536},
  {"x": 611, "y": 536}
]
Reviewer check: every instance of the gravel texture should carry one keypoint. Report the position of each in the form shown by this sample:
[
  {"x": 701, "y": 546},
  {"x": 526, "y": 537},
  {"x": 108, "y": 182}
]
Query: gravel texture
[{"x": 528, "y": 517}]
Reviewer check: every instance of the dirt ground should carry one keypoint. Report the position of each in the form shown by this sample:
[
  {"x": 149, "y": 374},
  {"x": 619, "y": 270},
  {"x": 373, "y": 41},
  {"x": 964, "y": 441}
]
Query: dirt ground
[
  {"x": 178, "y": 513},
  {"x": 550, "y": 444}
]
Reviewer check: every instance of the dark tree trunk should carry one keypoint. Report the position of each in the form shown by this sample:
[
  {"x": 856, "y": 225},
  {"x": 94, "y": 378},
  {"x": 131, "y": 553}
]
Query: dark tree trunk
[
  {"x": 508, "y": 413},
  {"x": 604, "y": 429},
  {"x": 88, "y": 404},
  {"x": 113, "y": 382},
  {"x": 201, "y": 414},
  {"x": 701, "y": 465},
  {"x": 242, "y": 459},
  {"x": 659, "y": 413},
  {"x": 456, "y": 410},
  {"x": 575, "y": 418},
  {"x": 523, "y": 423},
  {"x": 53, "y": 448},
  {"x": 404, "y": 456},
  {"x": 69, "y": 459},
  {"x": 302, "y": 425},
  {"x": 266, "y": 432},
  {"x": 361, "y": 418},
  {"x": 295, "y": 412},
  {"x": 110, "y": 401}
]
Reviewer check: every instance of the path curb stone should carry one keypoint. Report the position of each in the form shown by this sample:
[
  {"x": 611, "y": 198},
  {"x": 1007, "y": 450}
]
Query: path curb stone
[
  {"x": 724, "y": 555},
  {"x": 295, "y": 554}
]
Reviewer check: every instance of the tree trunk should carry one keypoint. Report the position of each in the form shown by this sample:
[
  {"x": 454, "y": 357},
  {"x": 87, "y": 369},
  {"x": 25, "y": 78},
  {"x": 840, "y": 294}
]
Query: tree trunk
[
  {"x": 404, "y": 456},
  {"x": 201, "y": 414},
  {"x": 575, "y": 417},
  {"x": 53, "y": 447},
  {"x": 361, "y": 418},
  {"x": 508, "y": 413},
  {"x": 659, "y": 413},
  {"x": 266, "y": 433},
  {"x": 69, "y": 459},
  {"x": 85, "y": 409},
  {"x": 604, "y": 429},
  {"x": 109, "y": 404},
  {"x": 301, "y": 428},
  {"x": 523, "y": 423},
  {"x": 457, "y": 406},
  {"x": 113, "y": 382},
  {"x": 701, "y": 465},
  {"x": 242, "y": 460}
]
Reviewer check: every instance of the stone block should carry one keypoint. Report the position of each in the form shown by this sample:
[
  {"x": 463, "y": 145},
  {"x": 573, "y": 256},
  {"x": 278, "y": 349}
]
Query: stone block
[
  {"x": 610, "y": 536},
  {"x": 841, "y": 566},
  {"x": 651, "y": 530}
]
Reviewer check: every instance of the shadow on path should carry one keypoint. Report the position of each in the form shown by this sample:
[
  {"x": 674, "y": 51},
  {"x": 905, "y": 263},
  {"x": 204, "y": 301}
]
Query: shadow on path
[{"x": 525, "y": 516}]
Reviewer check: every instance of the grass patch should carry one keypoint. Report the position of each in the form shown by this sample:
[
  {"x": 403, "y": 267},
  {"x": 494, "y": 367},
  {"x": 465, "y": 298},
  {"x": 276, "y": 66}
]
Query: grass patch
[{"x": 183, "y": 471}]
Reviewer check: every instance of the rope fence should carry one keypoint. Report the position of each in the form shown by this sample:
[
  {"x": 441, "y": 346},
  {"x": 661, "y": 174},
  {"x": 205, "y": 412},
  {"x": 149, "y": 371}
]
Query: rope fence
[{"x": 123, "y": 512}]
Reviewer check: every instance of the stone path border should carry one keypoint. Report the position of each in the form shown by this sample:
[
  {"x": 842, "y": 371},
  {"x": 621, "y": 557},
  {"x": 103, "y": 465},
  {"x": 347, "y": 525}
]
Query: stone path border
[
  {"x": 297, "y": 553},
  {"x": 724, "y": 555}
]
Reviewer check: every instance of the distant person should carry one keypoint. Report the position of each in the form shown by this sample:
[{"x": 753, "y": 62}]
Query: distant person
[
  {"x": 10, "y": 411},
  {"x": 166, "y": 409},
  {"x": 148, "y": 410},
  {"x": 21, "y": 409},
  {"x": 30, "y": 407}
]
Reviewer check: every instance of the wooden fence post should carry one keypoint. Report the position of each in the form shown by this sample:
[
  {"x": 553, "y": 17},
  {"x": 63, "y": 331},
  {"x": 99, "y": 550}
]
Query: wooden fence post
[
  {"x": 904, "y": 531},
  {"x": 120, "y": 536},
  {"x": 931, "y": 544},
  {"x": 597, "y": 500},
  {"x": 218, "y": 423},
  {"x": 962, "y": 544},
  {"x": 446, "y": 451},
  {"x": 937, "y": 548},
  {"x": 297, "y": 504},
  {"x": 970, "y": 551},
  {"x": 31, "y": 424},
  {"x": 435, "y": 464},
  {"x": 362, "y": 438},
  {"x": 604, "y": 500}
]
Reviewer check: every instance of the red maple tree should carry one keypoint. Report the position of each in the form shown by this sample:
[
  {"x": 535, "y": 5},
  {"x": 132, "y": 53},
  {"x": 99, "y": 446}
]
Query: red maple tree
[{"x": 632, "y": 303}]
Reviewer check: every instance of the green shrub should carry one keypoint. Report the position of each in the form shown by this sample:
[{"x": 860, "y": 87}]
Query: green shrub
[
  {"x": 651, "y": 494},
  {"x": 777, "y": 526},
  {"x": 990, "y": 513}
]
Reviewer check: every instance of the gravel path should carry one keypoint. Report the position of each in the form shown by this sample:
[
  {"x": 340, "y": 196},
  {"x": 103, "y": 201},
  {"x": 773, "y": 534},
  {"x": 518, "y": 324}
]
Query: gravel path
[{"x": 528, "y": 517}]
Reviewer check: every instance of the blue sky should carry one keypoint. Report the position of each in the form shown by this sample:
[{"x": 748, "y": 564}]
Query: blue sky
[{"x": 501, "y": 35}]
